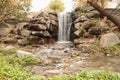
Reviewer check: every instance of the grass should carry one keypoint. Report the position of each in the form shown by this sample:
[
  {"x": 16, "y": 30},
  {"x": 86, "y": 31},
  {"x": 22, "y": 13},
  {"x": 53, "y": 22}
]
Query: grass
[{"x": 105, "y": 75}]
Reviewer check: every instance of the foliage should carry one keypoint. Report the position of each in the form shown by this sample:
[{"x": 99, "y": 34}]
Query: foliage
[
  {"x": 105, "y": 75},
  {"x": 109, "y": 50},
  {"x": 14, "y": 8},
  {"x": 11, "y": 66},
  {"x": 56, "y": 6}
]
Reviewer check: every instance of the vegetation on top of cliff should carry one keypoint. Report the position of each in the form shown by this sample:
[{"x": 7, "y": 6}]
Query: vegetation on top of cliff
[{"x": 56, "y": 6}]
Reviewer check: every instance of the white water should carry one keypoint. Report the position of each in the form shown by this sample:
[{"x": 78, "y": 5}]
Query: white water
[{"x": 65, "y": 21}]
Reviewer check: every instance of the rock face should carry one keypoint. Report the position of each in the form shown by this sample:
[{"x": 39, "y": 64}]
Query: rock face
[
  {"x": 109, "y": 39},
  {"x": 41, "y": 29},
  {"x": 88, "y": 23}
]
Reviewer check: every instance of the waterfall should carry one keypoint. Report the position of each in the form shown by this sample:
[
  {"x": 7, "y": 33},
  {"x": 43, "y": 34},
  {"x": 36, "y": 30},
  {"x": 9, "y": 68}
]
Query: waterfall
[{"x": 65, "y": 21}]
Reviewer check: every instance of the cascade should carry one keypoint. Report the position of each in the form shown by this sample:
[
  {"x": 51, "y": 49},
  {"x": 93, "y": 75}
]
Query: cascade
[{"x": 65, "y": 21}]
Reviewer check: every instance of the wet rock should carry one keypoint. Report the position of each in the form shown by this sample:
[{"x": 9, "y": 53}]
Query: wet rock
[
  {"x": 21, "y": 53},
  {"x": 109, "y": 39}
]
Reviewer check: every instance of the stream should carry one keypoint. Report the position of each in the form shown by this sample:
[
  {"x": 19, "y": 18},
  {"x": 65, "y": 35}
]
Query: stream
[{"x": 61, "y": 59}]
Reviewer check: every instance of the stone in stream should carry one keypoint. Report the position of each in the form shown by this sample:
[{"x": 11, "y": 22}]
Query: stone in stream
[
  {"x": 21, "y": 53},
  {"x": 109, "y": 39},
  {"x": 54, "y": 72}
]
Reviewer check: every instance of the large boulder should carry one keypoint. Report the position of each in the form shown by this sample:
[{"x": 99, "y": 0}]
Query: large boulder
[{"x": 109, "y": 39}]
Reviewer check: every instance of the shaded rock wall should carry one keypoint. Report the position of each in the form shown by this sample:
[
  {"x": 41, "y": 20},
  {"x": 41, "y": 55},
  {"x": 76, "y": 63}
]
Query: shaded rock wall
[{"x": 41, "y": 29}]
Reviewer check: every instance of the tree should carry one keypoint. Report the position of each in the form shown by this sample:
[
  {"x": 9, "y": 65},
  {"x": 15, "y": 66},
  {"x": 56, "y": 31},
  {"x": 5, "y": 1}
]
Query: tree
[
  {"x": 104, "y": 13},
  {"x": 14, "y": 8},
  {"x": 99, "y": 8},
  {"x": 56, "y": 6}
]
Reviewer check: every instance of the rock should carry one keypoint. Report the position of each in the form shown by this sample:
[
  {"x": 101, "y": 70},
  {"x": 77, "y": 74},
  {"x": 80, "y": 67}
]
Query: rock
[
  {"x": 53, "y": 17},
  {"x": 77, "y": 25},
  {"x": 37, "y": 27},
  {"x": 86, "y": 25},
  {"x": 8, "y": 48},
  {"x": 43, "y": 14},
  {"x": 5, "y": 29},
  {"x": 78, "y": 41},
  {"x": 40, "y": 20},
  {"x": 95, "y": 30},
  {"x": 109, "y": 39},
  {"x": 52, "y": 13},
  {"x": 81, "y": 19},
  {"x": 33, "y": 39},
  {"x": 21, "y": 53},
  {"x": 114, "y": 28},
  {"x": 53, "y": 29},
  {"x": 47, "y": 34},
  {"x": 86, "y": 35},
  {"x": 101, "y": 24},
  {"x": 79, "y": 33},
  {"x": 9, "y": 40},
  {"x": 54, "y": 23},
  {"x": 50, "y": 73},
  {"x": 92, "y": 14},
  {"x": 23, "y": 42},
  {"x": 38, "y": 33},
  {"x": 25, "y": 33},
  {"x": 20, "y": 26}
]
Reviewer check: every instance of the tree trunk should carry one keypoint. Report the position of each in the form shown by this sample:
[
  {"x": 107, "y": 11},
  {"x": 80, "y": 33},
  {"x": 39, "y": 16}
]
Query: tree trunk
[{"x": 104, "y": 13}]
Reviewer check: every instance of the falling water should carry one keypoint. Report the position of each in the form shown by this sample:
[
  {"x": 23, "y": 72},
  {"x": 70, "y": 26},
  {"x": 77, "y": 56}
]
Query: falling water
[{"x": 65, "y": 20}]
